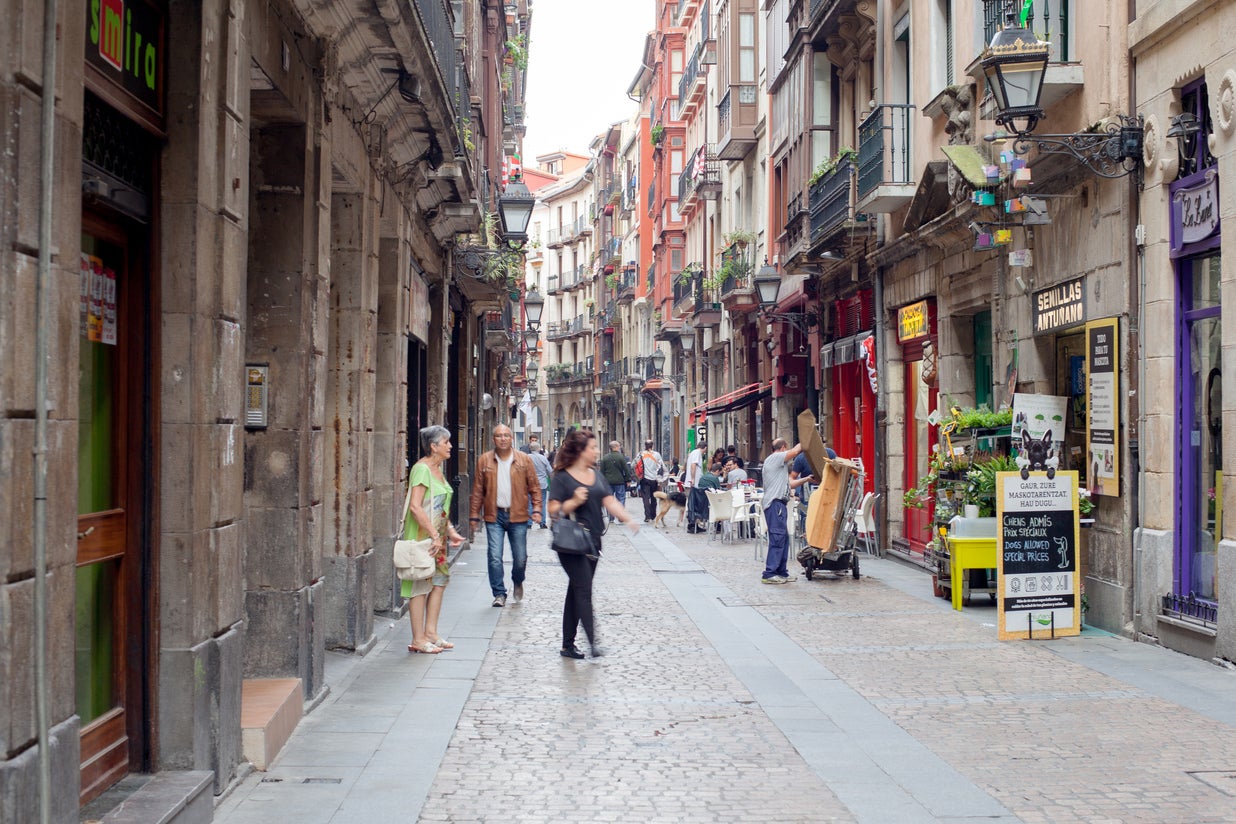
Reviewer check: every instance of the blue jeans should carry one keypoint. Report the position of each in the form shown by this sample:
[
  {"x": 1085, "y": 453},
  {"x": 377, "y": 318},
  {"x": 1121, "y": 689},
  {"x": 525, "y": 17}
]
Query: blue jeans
[
  {"x": 778, "y": 540},
  {"x": 620, "y": 492},
  {"x": 518, "y": 534}
]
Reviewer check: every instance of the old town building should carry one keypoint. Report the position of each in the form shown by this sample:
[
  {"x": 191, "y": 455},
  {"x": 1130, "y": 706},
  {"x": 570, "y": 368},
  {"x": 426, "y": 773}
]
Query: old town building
[{"x": 246, "y": 293}]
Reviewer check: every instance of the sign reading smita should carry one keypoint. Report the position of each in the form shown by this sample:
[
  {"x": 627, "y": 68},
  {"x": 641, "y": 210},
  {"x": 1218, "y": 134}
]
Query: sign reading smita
[
  {"x": 125, "y": 42},
  {"x": 1059, "y": 306}
]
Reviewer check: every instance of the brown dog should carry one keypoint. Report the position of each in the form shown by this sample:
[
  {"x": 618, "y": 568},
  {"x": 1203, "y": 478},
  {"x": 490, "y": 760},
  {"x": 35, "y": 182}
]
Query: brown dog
[{"x": 667, "y": 501}]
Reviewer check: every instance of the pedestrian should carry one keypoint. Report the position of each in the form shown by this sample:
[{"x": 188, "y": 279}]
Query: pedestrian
[
  {"x": 577, "y": 489},
  {"x": 543, "y": 469},
  {"x": 801, "y": 469},
  {"x": 617, "y": 473},
  {"x": 696, "y": 500},
  {"x": 504, "y": 479},
  {"x": 777, "y": 489},
  {"x": 429, "y": 507},
  {"x": 653, "y": 467},
  {"x": 533, "y": 440},
  {"x": 734, "y": 474}
]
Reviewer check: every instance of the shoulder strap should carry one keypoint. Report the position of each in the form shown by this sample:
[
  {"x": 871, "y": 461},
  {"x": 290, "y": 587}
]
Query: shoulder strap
[{"x": 407, "y": 502}]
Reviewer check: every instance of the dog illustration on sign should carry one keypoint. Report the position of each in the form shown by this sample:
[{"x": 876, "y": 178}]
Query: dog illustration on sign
[{"x": 1037, "y": 455}]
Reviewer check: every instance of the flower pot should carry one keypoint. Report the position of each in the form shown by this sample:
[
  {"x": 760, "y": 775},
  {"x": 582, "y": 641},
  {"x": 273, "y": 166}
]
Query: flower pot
[{"x": 972, "y": 510}]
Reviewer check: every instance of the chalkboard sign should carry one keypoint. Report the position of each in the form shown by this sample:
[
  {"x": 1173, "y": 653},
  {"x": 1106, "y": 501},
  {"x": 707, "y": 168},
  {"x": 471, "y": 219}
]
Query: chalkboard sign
[{"x": 1037, "y": 541}]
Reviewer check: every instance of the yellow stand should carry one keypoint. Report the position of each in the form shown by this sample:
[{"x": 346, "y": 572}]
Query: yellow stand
[{"x": 966, "y": 554}]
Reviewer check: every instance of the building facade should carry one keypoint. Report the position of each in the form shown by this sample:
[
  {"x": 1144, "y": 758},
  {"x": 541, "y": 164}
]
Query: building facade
[{"x": 252, "y": 305}]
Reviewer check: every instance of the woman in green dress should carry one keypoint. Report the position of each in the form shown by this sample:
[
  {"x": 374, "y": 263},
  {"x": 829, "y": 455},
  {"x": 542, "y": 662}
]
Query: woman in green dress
[{"x": 429, "y": 517}]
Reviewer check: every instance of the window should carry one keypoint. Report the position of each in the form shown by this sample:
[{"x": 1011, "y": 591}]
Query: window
[
  {"x": 1195, "y": 150},
  {"x": 777, "y": 36},
  {"x": 822, "y": 79},
  {"x": 676, "y": 162},
  {"x": 746, "y": 47},
  {"x": 675, "y": 260},
  {"x": 675, "y": 71},
  {"x": 1200, "y": 382},
  {"x": 942, "y": 46}
]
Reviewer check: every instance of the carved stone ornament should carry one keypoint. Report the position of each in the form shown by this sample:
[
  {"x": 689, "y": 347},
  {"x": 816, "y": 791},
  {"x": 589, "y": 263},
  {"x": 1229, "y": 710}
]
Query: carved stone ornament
[
  {"x": 1225, "y": 102},
  {"x": 1150, "y": 141}
]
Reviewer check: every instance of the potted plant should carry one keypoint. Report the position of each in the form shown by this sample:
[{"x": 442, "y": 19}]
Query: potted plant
[
  {"x": 980, "y": 491},
  {"x": 841, "y": 161},
  {"x": 658, "y": 132}
]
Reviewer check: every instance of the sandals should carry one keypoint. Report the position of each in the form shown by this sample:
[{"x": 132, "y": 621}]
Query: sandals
[
  {"x": 443, "y": 643},
  {"x": 426, "y": 647}
]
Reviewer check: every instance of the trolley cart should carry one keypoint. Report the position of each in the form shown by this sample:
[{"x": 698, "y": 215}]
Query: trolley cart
[{"x": 831, "y": 544}]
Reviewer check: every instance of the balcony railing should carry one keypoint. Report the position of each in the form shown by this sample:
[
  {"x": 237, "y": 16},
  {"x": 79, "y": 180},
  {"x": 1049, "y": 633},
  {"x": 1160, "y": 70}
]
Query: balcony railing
[
  {"x": 735, "y": 268},
  {"x": 702, "y": 173},
  {"x": 884, "y": 148},
  {"x": 829, "y": 201},
  {"x": 690, "y": 76},
  {"x": 1048, "y": 19},
  {"x": 684, "y": 284},
  {"x": 436, "y": 18}
]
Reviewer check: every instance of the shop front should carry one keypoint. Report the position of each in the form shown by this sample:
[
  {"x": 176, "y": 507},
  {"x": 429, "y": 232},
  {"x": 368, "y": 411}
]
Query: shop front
[
  {"x": 844, "y": 363},
  {"x": 1196, "y": 256},
  {"x": 122, "y": 126},
  {"x": 916, "y": 335}
]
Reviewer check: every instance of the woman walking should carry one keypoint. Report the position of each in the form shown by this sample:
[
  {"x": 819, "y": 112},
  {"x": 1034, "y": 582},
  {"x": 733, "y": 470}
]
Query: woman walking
[
  {"x": 429, "y": 517},
  {"x": 579, "y": 491}
]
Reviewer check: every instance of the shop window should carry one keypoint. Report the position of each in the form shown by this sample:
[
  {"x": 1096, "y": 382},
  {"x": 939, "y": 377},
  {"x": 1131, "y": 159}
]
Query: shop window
[{"x": 1200, "y": 384}]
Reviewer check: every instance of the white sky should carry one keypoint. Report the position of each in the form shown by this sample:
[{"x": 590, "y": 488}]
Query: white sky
[{"x": 582, "y": 58}]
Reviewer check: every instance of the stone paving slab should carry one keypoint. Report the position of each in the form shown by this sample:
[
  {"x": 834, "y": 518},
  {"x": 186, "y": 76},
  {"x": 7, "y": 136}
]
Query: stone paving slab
[{"x": 722, "y": 699}]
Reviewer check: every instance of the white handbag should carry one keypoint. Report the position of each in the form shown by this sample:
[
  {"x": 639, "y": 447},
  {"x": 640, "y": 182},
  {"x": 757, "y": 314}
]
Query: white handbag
[{"x": 414, "y": 560}]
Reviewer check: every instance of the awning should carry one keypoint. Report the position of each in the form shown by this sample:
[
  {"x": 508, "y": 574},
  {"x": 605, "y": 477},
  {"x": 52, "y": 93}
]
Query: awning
[
  {"x": 841, "y": 352},
  {"x": 738, "y": 399}
]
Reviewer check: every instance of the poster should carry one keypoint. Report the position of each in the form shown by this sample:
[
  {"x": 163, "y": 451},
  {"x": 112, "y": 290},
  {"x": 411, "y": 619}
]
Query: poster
[
  {"x": 1103, "y": 407},
  {"x": 1038, "y": 578},
  {"x": 1038, "y": 414}
]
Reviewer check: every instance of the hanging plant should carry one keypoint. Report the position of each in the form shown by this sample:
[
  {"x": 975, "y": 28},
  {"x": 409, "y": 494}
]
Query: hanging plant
[{"x": 658, "y": 131}]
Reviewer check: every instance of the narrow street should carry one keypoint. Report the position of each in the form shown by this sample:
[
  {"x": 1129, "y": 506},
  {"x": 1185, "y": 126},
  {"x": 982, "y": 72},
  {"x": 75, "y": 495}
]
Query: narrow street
[{"x": 721, "y": 699}]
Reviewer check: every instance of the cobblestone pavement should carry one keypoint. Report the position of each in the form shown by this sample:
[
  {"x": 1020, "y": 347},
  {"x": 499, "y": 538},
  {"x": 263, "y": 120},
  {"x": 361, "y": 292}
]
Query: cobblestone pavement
[{"x": 722, "y": 699}]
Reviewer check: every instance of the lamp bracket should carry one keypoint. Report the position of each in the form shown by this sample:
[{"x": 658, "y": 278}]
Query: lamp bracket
[
  {"x": 802, "y": 321},
  {"x": 1114, "y": 152}
]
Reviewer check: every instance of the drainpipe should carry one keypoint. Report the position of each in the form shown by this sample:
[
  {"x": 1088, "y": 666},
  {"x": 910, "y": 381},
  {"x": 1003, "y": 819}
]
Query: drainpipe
[
  {"x": 1138, "y": 249},
  {"x": 41, "y": 348}
]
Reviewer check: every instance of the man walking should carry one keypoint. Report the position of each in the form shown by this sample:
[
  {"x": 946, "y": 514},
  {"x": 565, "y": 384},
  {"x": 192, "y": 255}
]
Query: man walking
[
  {"x": 617, "y": 473},
  {"x": 697, "y": 503},
  {"x": 652, "y": 466},
  {"x": 543, "y": 470},
  {"x": 777, "y": 487},
  {"x": 504, "y": 479}
]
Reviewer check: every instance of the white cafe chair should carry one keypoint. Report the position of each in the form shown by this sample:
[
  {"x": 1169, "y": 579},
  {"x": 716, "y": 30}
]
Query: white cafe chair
[
  {"x": 720, "y": 511},
  {"x": 865, "y": 524}
]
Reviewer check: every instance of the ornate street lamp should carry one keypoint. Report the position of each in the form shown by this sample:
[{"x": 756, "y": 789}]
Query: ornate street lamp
[
  {"x": 768, "y": 286},
  {"x": 534, "y": 304},
  {"x": 686, "y": 337},
  {"x": 515, "y": 209},
  {"x": 1014, "y": 64}
]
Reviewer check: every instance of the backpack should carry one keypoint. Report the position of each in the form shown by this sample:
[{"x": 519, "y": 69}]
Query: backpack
[{"x": 639, "y": 466}]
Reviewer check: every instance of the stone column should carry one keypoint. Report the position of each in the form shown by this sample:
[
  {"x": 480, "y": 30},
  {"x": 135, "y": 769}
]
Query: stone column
[
  {"x": 350, "y": 387},
  {"x": 204, "y": 210}
]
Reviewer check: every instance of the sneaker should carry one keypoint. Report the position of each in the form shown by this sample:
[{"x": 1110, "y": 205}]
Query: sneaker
[
  {"x": 500, "y": 600},
  {"x": 519, "y": 593},
  {"x": 773, "y": 580},
  {"x": 785, "y": 579}
]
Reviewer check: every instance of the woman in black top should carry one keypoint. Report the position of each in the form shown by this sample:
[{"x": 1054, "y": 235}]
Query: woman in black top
[{"x": 576, "y": 489}]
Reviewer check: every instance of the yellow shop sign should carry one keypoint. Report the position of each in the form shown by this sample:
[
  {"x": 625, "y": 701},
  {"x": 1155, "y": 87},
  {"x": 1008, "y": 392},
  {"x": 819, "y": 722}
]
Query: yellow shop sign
[{"x": 912, "y": 322}]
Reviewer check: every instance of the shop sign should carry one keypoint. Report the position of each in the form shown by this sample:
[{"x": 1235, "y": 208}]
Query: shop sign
[
  {"x": 1103, "y": 407},
  {"x": 125, "y": 42},
  {"x": 418, "y": 308},
  {"x": 1059, "y": 306},
  {"x": 913, "y": 322},
  {"x": 1195, "y": 211},
  {"x": 1038, "y": 580}
]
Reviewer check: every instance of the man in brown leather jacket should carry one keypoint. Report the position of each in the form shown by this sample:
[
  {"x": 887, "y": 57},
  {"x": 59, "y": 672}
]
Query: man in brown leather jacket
[{"x": 504, "y": 479}]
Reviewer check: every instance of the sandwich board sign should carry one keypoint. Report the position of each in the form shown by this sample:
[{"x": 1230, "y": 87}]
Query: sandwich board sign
[{"x": 1038, "y": 577}]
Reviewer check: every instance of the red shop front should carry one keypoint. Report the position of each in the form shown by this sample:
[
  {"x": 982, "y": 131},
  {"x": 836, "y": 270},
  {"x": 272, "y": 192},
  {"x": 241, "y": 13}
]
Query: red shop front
[
  {"x": 853, "y": 400},
  {"x": 916, "y": 333}
]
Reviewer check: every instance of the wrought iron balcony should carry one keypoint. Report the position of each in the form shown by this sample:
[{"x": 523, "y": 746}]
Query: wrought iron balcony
[
  {"x": 829, "y": 200},
  {"x": 440, "y": 29},
  {"x": 885, "y": 178},
  {"x": 701, "y": 178},
  {"x": 691, "y": 85}
]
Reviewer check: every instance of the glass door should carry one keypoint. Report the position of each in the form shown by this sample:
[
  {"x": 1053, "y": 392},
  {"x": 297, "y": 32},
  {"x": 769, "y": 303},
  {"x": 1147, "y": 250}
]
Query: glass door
[
  {"x": 106, "y": 559},
  {"x": 919, "y": 436},
  {"x": 1201, "y": 402}
]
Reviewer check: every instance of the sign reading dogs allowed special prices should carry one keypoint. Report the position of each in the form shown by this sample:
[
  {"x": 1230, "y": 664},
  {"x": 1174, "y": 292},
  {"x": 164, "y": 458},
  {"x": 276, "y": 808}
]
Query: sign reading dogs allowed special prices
[{"x": 1038, "y": 579}]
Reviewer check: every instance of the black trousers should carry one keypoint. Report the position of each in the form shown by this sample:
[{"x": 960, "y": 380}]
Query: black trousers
[
  {"x": 647, "y": 488},
  {"x": 578, "y": 607},
  {"x": 697, "y": 508}
]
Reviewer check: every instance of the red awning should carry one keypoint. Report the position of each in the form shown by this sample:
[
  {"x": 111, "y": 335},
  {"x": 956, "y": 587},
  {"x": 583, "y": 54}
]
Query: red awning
[
  {"x": 738, "y": 399},
  {"x": 652, "y": 385}
]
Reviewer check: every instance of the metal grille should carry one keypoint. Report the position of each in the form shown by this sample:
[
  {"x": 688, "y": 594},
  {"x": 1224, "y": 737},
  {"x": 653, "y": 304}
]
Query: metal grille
[
  {"x": 1190, "y": 607},
  {"x": 117, "y": 145}
]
